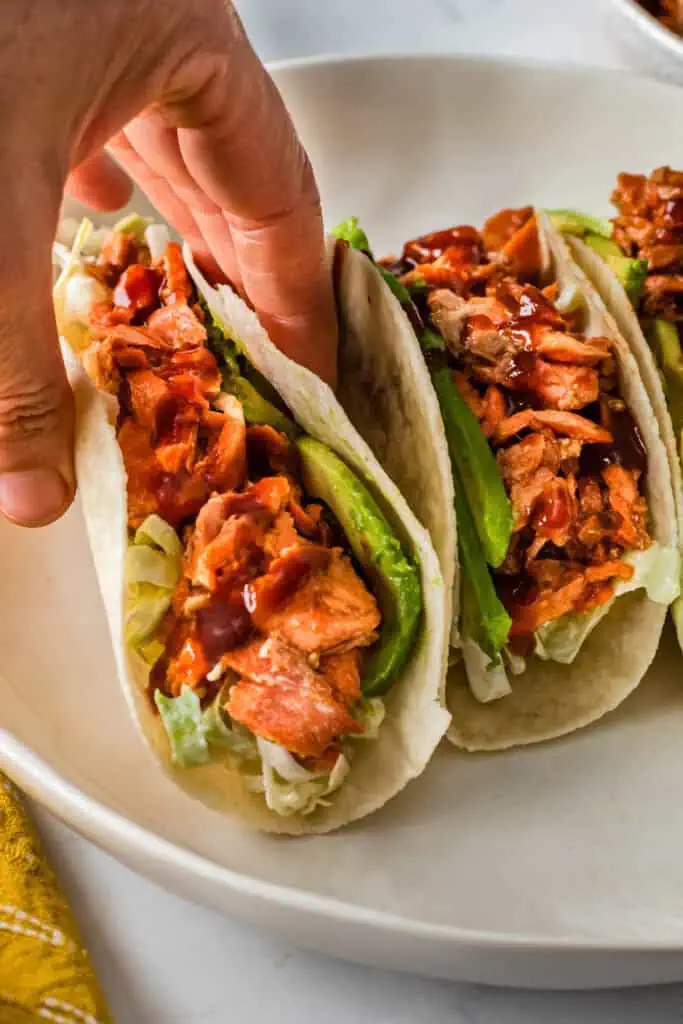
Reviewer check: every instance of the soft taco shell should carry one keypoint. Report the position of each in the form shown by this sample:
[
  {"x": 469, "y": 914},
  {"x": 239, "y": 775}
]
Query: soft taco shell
[
  {"x": 416, "y": 719},
  {"x": 548, "y": 700}
]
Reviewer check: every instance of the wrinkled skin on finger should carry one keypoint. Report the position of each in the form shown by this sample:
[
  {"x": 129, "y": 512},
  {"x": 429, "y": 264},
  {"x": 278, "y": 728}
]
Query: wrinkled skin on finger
[{"x": 175, "y": 92}]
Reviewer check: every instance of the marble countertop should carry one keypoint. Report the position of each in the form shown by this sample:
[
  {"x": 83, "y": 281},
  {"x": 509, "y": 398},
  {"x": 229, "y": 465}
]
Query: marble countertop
[{"x": 165, "y": 961}]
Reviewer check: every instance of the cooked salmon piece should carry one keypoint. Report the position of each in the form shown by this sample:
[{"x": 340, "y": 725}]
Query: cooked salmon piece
[
  {"x": 343, "y": 673},
  {"x": 468, "y": 393},
  {"x": 523, "y": 249},
  {"x": 521, "y": 460},
  {"x": 332, "y": 612},
  {"x": 178, "y": 453},
  {"x": 148, "y": 396},
  {"x": 493, "y": 410},
  {"x": 142, "y": 472},
  {"x": 525, "y": 493},
  {"x": 624, "y": 499},
  {"x": 225, "y": 463},
  {"x": 177, "y": 288},
  {"x": 177, "y": 325},
  {"x": 559, "y": 421},
  {"x": 188, "y": 667},
  {"x": 609, "y": 570},
  {"x": 234, "y": 526},
  {"x": 564, "y": 387},
  {"x": 563, "y": 348},
  {"x": 500, "y": 228},
  {"x": 549, "y": 605},
  {"x": 282, "y": 698},
  {"x": 119, "y": 251}
]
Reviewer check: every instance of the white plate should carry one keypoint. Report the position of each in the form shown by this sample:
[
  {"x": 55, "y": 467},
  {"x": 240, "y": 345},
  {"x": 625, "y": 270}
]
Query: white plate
[
  {"x": 645, "y": 42},
  {"x": 555, "y": 866}
]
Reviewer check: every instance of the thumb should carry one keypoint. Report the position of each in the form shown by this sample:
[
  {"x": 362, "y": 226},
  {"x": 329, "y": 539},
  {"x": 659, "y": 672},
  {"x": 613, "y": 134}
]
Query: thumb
[{"x": 36, "y": 406}]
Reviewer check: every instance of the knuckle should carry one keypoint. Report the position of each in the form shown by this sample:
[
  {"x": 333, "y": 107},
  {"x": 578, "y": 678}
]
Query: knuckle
[{"x": 30, "y": 413}]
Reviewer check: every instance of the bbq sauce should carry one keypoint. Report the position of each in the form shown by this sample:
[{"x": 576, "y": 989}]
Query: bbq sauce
[
  {"x": 463, "y": 244},
  {"x": 516, "y": 592},
  {"x": 138, "y": 290},
  {"x": 627, "y": 449},
  {"x": 223, "y": 624},
  {"x": 286, "y": 575},
  {"x": 552, "y": 511}
]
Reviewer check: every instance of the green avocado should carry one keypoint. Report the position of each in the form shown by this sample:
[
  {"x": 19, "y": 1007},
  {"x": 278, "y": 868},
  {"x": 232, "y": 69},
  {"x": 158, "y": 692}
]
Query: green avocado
[
  {"x": 474, "y": 464},
  {"x": 665, "y": 342},
  {"x": 482, "y": 615},
  {"x": 258, "y": 409},
  {"x": 236, "y": 371},
  {"x": 395, "y": 577},
  {"x": 573, "y": 222},
  {"x": 630, "y": 272}
]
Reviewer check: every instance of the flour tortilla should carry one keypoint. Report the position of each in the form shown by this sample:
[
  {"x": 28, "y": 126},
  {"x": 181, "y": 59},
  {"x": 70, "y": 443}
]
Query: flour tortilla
[
  {"x": 548, "y": 700},
  {"x": 416, "y": 719},
  {"x": 617, "y": 301}
]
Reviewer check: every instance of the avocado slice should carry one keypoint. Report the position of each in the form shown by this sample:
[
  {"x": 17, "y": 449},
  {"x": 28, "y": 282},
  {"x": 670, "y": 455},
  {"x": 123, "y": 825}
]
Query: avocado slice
[
  {"x": 475, "y": 465},
  {"x": 257, "y": 408},
  {"x": 395, "y": 576},
  {"x": 631, "y": 273},
  {"x": 573, "y": 222},
  {"x": 482, "y": 616},
  {"x": 665, "y": 342}
]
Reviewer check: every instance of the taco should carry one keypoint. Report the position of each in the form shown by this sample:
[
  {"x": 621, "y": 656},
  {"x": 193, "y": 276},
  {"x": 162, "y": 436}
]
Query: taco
[
  {"x": 564, "y": 502},
  {"x": 636, "y": 263},
  {"x": 278, "y": 614}
]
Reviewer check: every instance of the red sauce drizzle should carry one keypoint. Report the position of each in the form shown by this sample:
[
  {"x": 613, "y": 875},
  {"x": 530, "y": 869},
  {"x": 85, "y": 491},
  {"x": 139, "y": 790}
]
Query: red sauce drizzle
[
  {"x": 286, "y": 575},
  {"x": 138, "y": 289},
  {"x": 463, "y": 245},
  {"x": 223, "y": 624}
]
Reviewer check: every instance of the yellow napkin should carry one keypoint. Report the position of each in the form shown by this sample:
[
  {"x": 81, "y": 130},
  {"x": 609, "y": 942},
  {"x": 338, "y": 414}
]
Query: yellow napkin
[{"x": 45, "y": 973}]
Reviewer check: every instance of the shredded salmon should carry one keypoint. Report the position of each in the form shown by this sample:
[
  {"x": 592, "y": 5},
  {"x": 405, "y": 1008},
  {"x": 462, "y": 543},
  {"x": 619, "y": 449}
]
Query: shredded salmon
[
  {"x": 649, "y": 226},
  {"x": 281, "y": 697}
]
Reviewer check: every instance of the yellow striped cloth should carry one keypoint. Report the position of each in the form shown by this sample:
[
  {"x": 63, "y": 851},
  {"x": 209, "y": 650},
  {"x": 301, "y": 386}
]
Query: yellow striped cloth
[{"x": 45, "y": 973}]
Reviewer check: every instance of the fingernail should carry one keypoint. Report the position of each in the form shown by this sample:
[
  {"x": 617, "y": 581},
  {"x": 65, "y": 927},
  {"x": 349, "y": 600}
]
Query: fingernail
[{"x": 33, "y": 497}]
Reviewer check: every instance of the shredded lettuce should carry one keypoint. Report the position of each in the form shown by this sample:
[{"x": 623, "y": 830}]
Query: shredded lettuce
[
  {"x": 156, "y": 532},
  {"x": 157, "y": 237},
  {"x": 182, "y": 719},
  {"x": 198, "y": 737},
  {"x": 369, "y": 714},
  {"x": 75, "y": 291},
  {"x": 657, "y": 570},
  {"x": 289, "y": 788},
  {"x": 515, "y": 662},
  {"x": 133, "y": 224},
  {"x": 350, "y": 231},
  {"x": 153, "y": 567},
  {"x": 487, "y": 679}
]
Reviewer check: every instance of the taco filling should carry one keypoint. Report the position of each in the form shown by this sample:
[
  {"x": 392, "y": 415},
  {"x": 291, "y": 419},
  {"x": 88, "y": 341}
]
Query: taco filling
[
  {"x": 641, "y": 250},
  {"x": 548, "y": 461},
  {"x": 273, "y": 619}
]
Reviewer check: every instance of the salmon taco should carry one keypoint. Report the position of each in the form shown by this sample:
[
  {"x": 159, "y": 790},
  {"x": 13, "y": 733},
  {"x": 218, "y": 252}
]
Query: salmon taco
[
  {"x": 278, "y": 614},
  {"x": 635, "y": 262},
  {"x": 563, "y": 493}
]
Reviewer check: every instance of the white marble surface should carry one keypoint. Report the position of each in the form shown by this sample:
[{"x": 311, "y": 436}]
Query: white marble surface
[{"x": 164, "y": 961}]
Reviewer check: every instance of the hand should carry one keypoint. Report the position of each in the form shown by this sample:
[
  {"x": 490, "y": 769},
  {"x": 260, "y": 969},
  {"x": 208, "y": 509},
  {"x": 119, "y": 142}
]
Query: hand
[{"x": 174, "y": 90}]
